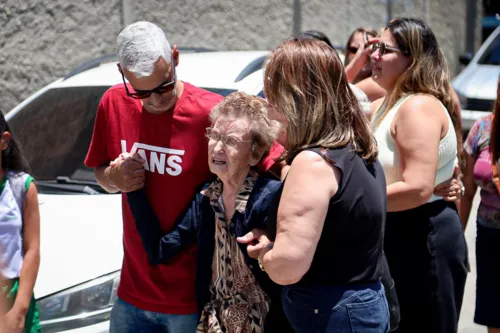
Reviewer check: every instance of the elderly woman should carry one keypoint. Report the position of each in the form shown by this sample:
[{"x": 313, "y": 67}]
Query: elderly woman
[
  {"x": 329, "y": 214},
  {"x": 233, "y": 295}
]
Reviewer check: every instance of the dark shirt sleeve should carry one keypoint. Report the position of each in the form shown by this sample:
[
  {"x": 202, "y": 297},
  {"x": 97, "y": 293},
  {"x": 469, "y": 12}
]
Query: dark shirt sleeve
[{"x": 160, "y": 247}]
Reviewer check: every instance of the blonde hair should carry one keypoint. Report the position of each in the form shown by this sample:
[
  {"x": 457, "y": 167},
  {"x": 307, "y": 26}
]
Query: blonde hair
[
  {"x": 427, "y": 74},
  {"x": 239, "y": 104},
  {"x": 306, "y": 82}
]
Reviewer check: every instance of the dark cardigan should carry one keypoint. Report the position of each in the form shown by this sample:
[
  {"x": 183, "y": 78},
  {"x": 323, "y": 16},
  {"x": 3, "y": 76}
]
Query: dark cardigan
[{"x": 197, "y": 224}]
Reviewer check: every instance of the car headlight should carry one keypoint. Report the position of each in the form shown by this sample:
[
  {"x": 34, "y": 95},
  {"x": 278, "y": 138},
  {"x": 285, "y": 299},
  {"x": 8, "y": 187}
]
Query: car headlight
[{"x": 84, "y": 305}]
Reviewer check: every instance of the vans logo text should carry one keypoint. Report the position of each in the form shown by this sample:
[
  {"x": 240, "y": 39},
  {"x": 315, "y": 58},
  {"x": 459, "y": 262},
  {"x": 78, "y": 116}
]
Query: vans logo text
[{"x": 158, "y": 160}]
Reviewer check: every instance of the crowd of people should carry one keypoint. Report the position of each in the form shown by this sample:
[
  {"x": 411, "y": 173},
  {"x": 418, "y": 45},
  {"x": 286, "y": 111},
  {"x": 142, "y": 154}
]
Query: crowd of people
[{"x": 299, "y": 212}]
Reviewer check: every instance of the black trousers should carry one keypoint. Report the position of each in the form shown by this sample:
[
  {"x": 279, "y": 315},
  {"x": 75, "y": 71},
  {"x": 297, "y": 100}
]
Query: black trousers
[{"x": 427, "y": 255}]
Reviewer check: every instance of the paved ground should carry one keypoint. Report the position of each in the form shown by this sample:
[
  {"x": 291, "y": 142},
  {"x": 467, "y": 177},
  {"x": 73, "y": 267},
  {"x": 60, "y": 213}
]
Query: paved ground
[{"x": 466, "y": 324}]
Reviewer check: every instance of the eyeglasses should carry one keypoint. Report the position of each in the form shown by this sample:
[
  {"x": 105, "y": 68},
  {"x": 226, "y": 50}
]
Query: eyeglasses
[
  {"x": 164, "y": 87},
  {"x": 353, "y": 49},
  {"x": 228, "y": 140},
  {"x": 383, "y": 48}
]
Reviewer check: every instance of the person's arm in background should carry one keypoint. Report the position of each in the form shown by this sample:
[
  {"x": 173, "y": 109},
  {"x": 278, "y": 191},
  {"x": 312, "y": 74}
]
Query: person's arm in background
[
  {"x": 161, "y": 246},
  {"x": 360, "y": 60},
  {"x": 470, "y": 190},
  {"x": 372, "y": 90},
  {"x": 311, "y": 183},
  {"x": 417, "y": 131},
  {"x": 471, "y": 150},
  {"x": 16, "y": 316}
]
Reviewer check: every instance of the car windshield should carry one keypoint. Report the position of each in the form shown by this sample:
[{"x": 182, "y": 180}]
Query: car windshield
[
  {"x": 55, "y": 131},
  {"x": 492, "y": 54}
]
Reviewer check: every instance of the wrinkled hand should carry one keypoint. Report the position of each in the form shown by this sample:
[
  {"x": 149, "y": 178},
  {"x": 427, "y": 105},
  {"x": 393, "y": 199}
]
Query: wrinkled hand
[
  {"x": 256, "y": 240},
  {"x": 13, "y": 322},
  {"x": 127, "y": 172},
  {"x": 450, "y": 190}
]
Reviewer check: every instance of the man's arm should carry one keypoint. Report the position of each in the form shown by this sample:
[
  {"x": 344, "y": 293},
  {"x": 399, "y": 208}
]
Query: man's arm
[{"x": 102, "y": 176}]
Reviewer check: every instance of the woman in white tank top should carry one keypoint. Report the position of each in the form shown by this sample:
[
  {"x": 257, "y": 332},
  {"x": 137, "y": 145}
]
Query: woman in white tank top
[
  {"x": 19, "y": 238},
  {"x": 416, "y": 129}
]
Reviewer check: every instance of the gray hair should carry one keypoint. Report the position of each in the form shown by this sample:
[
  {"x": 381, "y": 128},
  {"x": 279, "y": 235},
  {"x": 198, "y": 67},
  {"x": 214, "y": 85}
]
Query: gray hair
[
  {"x": 140, "y": 45},
  {"x": 242, "y": 105}
]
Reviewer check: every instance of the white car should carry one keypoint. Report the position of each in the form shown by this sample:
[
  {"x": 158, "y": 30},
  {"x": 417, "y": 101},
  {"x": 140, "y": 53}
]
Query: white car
[
  {"x": 476, "y": 85},
  {"x": 81, "y": 225}
]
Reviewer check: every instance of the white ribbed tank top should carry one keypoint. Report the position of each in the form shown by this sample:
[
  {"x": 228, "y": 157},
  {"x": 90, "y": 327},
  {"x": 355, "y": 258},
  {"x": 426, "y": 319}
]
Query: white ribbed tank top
[{"x": 389, "y": 157}]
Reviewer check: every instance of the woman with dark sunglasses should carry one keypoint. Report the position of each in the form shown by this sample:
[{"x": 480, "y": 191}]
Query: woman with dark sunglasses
[
  {"x": 354, "y": 53},
  {"x": 357, "y": 62},
  {"x": 419, "y": 136},
  {"x": 482, "y": 156}
]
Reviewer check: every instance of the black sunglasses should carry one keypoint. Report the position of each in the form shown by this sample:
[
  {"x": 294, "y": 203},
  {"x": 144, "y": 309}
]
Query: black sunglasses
[
  {"x": 164, "y": 87},
  {"x": 383, "y": 48},
  {"x": 353, "y": 49}
]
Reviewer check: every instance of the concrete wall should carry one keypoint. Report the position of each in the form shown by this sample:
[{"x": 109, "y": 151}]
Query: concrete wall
[{"x": 41, "y": 40}]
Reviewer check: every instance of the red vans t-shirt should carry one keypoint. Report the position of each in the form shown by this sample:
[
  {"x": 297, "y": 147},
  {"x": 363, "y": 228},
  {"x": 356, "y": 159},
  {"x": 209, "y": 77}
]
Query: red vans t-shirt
[{"x": 174, "y": 146}]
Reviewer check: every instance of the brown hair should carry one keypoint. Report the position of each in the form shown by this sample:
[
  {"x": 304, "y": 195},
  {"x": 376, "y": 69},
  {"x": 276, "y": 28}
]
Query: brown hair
[
  {"x": 239, "y": 104},
  {"x": 427, "y": 74},
  {"x": 495, "y": 130},
  {"x": 306, "y": 82},
  {"x": 369, "y": 31}
]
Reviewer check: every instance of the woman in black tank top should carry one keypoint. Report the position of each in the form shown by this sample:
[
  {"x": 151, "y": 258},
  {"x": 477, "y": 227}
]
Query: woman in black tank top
[{"x": 329, "y": 215}]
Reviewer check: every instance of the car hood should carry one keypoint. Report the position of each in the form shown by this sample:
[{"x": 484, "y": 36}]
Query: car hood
[
  {"x": 81, "y": 239},
  {"x": 478, "y": 81}
]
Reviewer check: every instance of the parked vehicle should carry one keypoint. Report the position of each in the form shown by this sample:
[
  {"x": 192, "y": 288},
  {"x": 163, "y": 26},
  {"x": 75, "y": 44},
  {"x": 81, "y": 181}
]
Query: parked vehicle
[{"x": 476, "y": 85}]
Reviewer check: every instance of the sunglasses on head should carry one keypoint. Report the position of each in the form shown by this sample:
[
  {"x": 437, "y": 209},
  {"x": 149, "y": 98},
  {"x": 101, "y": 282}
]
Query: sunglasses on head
[
  {"x": 383, "y": 48},
  {"x": 164, "y": 87}
]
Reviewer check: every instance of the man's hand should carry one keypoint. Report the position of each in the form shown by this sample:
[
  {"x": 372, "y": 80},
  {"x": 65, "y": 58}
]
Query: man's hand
[
  {"x": 127, "y": 172},
  {"x": 256, "y": 240},
  {"x": 450, "y": 190}
]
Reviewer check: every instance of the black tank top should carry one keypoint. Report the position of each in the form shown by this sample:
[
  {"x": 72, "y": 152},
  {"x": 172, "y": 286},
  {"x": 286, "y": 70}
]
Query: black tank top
[{"x": 350, "y": 247}]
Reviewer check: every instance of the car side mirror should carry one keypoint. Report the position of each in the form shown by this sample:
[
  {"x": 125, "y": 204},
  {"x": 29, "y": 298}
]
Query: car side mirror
[{"x": 465, "y": 58}]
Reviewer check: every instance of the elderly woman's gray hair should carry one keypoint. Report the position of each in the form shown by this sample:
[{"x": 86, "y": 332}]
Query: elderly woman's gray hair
[
  {"x": 238, "y": 105},
  {"x": 139, "y": 47}
]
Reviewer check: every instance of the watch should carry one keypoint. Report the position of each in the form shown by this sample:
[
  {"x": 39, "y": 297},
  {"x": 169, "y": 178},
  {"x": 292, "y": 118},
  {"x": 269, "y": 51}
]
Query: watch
[{"x": 268, "y": 247}]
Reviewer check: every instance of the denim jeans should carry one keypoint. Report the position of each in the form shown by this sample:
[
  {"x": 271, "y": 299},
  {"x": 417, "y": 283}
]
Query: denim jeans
[
  {"x": 327, "y": 309},
  {"x": 126, "y": 318}
]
